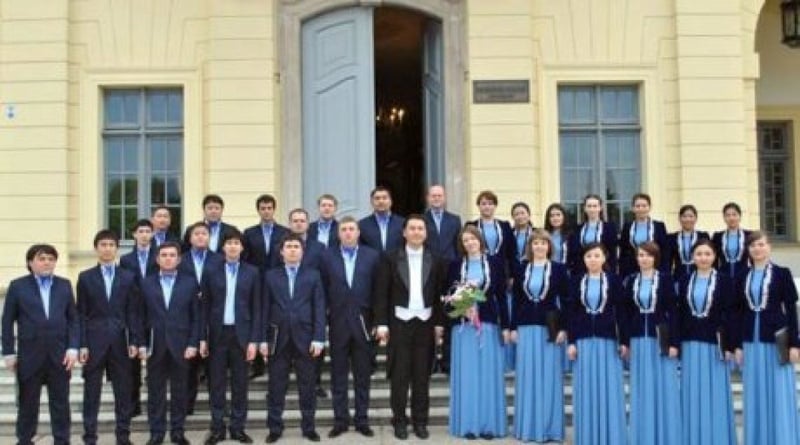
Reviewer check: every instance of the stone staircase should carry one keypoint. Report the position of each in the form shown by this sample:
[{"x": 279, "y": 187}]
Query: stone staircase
[{"x": 380, "y": 412}]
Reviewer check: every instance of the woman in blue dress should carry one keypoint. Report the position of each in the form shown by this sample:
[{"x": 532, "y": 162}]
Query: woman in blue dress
[
  {"x": 593, "y": 230},
  {"x": 767, "y": 299},
  {"x": 521, "y": 215},
  {"x": 538, "y": 328},
  {"x": 682, "y": 241},
  {"x": 557, "y": 225},
  {"x": 705, "y": 333},
  {"x": 655, "y": 386},
  {"x": 730, "y": 242},
  {"x": 595, "y": 300},
  {"x": 642, "y": 229},
  {"x": 477, "y": 386}
]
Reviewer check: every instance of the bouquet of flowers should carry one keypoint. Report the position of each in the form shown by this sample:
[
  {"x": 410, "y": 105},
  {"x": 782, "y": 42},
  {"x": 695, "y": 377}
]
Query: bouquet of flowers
[{"x": 462, "y": 302}]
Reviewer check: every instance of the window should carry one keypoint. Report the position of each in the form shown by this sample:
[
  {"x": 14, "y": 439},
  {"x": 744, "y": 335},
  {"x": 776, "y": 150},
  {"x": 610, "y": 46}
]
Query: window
[
  {"x": 599, "y": 138},
  {"x": 142, "y": 155},
  {"x": 774, "y": 177}
]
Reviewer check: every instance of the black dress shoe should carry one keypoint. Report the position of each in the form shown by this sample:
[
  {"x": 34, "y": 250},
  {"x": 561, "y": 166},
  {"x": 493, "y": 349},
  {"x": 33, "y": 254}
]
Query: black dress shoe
[
  {"x": 486, "y": 436},
  {"x": 155, "y": 440},
  {"x": 137, "y": 410},
  {"x": 470, "y": 436},
  {"x": 337, "y": 431},
  {"x": 421, "y": 431},
  {"x": 311, "y": 435},
  {"x": 401, "y": 432},
  {"x": 321, "y": 393},
  {"x": 365, "y": 430},
  {"x": 273, "y": 437},
  {"x": 179, "y": 439},
  {"x": 190, "y": 411},
  {"x": 124, "y": 440},
  {"x": 215, "y": 437},
  {"x": 241, "y": 437}
]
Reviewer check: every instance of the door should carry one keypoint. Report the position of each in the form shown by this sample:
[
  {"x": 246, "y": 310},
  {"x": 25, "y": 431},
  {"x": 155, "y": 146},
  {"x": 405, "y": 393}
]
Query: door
[
  {"x": 432, "y": 106},
  {"x": 338, "y": 109},
  {"x": 775, "y": 179}
]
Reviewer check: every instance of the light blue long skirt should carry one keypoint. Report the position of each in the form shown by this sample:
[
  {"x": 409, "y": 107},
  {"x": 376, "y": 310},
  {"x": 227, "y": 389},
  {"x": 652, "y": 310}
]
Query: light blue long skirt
[
  {"x": 706, "y": 402},
  {"x": 477, "y": 387},
  {"x": 599, "y": 399},
  {"x": 509, "y": 350},
  {"x": 770, "y": 397},
  {"x": 539, "y": 387},
  {"x": 655, "y": 395}
]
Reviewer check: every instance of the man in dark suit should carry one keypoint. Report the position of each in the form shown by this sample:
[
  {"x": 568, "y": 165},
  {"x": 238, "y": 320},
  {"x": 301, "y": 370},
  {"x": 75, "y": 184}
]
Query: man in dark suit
[
  {"x": 197, "y": 261},
  {"x": 172, "y": 328},
  {"x": 441, "y": 226},
  {"x": 325, "y": 229},
  {"x": 261, "y": 241},
  {"x": 232, "y": 304},
  {"x": 312, "y": 256},
  {"x": 42, "y": 307},
  {"x": 108, "y": 307},
  {"x": 213, "y": 205},
  {"x": 312, "y": 249},
  {"x": 383, "y": 230},
  {"x": 161, "y": 220},
  {"x": 262, "y": 249},
  {"x": 348, "y": 273},
  {"x": 141, "y": 261},
  {"x": 408, "y": 305},
  {"x": 294, "y": 316}
]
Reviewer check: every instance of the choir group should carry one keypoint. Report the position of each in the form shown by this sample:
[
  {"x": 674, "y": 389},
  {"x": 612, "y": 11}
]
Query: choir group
[{"x": 680, "y": 311}]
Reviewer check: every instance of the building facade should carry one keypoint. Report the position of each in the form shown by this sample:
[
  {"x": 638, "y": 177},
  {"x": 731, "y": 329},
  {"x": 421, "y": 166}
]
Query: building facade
[{"x": 112, "y": 107}]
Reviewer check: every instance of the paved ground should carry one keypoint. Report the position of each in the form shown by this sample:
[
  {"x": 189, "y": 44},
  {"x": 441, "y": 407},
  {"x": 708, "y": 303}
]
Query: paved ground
[{"x": 383, "y": 435}]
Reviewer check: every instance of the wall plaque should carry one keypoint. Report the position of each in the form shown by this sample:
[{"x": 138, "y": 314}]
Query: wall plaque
[{"x": 500, "y": 91}]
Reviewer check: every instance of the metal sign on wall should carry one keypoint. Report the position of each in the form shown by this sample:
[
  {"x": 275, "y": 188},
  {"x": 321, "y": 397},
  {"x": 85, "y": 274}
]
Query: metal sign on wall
[{"x": 500, "y": 91}]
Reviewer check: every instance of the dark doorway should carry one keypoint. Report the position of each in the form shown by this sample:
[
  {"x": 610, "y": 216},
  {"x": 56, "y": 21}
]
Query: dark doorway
[{"x": 399, "y": 140}]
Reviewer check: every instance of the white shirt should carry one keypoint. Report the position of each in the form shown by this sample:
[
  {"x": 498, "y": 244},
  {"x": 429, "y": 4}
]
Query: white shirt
[{"x": 416, "y": 303}]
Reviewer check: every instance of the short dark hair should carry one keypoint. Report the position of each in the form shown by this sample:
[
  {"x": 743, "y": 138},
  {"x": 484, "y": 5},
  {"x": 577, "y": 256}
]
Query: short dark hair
[
  {"x": 160, "y": 207},
  {"x": 594, "y": 245},
  {"x": 266, "y": 198},
  {"x": 639, "y": 196},
  {"x": 732, "y": 205},
  {"x": 329, "y": 197},
  {"x": 232, "y": 233},
  {"x": 106, "y": 234},
  {"x": 213, "y": 199},
  {"x": 705, "y": 242},
  {"x": 413, "y": 216},
  {"x": 199, "y": 224},
  {"x": 142, "y": 223},
  {"x": 524, "y": 205},
  {"x": 293, "y": 237},
  {"x": 169, "y": 245},
  {"x": 298, "y": 210},
  {"x": 487, "y": 195},
  {"x": 652, "y": 249},
  {"x": 39, "y": 249},
  {"x": 686, "y": 208},
  {"x": 380, "y": 188}
]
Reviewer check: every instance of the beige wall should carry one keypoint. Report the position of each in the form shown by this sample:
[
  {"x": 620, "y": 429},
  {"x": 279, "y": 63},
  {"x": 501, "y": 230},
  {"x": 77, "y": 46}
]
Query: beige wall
[{"x": 694, "y": 61}]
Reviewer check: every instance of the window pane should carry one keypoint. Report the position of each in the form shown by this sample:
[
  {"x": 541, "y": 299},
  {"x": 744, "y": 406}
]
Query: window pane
[
  {"x": 175, "y": 107},
  {"x": 174, "y": 190},
  {"x": 176, "y": 220},
  {"x": 113, "y": 191},
  {"x": 576, "y": 105},
  {"x": 158, "y": 154},
  {"x": 165, "y": 108},
  {"x": 619, "y": 104},
  {"x": 113, "y": 154},
  {"x": 121, "y": 108},
  {"x": 157, "y": 192},
  {"x": 156, "y": 108},
  {"x": 174, "y": 162},
  {"x": 131, "y": 190},
  {"x": 115, "y": 222}
]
